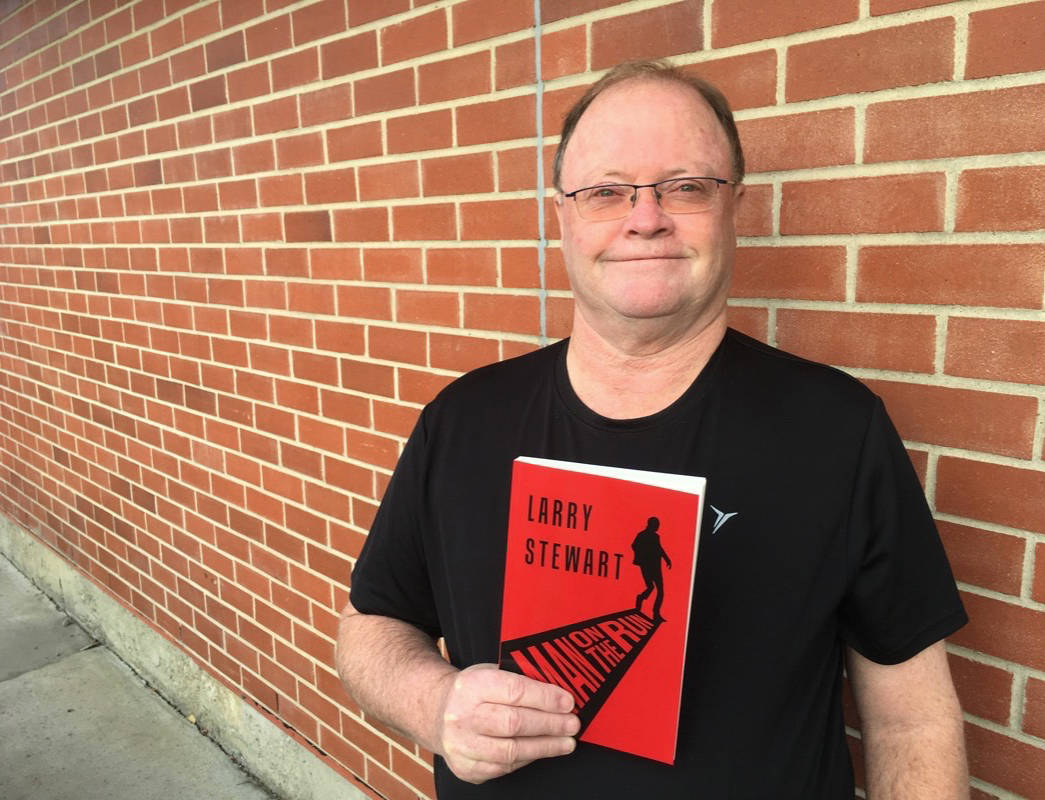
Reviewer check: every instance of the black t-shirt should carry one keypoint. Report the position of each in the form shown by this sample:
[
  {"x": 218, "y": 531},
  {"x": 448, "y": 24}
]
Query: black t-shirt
[{"x": 831, "y": 544}]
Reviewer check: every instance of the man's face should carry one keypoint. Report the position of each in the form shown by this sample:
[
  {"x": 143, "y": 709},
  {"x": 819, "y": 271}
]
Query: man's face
[{"x": 650, "y": 264}]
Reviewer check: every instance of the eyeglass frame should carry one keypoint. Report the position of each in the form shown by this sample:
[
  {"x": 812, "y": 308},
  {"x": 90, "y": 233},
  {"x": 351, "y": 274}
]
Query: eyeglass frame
[{"x": 635, "y": 192}]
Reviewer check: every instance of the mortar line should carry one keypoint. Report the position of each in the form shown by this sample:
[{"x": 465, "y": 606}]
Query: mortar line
[{"x": 542, "y": 245}]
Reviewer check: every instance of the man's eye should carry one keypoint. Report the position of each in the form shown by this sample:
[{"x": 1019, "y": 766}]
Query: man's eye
[{"x": 607, "y": 192}]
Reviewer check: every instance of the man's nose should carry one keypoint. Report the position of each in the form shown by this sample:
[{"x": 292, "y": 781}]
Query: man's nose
[{"x": 646, "y": 215}]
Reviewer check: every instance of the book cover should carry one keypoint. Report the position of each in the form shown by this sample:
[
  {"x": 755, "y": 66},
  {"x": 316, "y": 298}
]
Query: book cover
[{"x": 598, "y": 584}]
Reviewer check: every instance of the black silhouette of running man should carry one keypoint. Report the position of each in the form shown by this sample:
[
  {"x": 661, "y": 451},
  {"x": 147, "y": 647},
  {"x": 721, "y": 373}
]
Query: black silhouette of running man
[{"x": 648, "y": 554}]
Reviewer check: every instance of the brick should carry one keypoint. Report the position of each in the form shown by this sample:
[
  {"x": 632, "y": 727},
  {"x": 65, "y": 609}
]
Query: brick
[
  {"x": 461, "y": 353},
  {"x": 307, "y": 226},
  {"x": 462, "y": 266},
  {"x": 361, "y": 225},
  {"x": 398, "y": 265},
  {"x": 903, "y": 56},
  {"x": 383, "y": 181},
  {"x": 654, "y": 33},
  {"x": 499, "y": 312},
  {"x": 330, "y": 186},
  {"x": 213, "y": 164},
  {"x": 385, "y": 92},
  {"x": 299, "y": 151},
  {"x": 499, "y": 220},
  {"x": 890, "y": 204},
  {"x": 280, "y": 190},
  {"x": 996, "y": 493},
  {"x": 237, "y": 194},
  {"x": 736, "y": 21},
  {"x": 810, "y": 273},
  {"x": 422, "y": 222},
  {"x": 755, "y": 217},
  {"x": 363, "y": 376},
  {"x": 295, "y": 69},
  {"x": 427, "y": 308},
  {"x": 266, "y": 38},
  {"x": 1034, "y": 708},
  {"x": 496, "y": 121},
  {"x": 978, "y": 275},
  {"x": 1006, "y": 40},
  {"x": 474, "y": 20},
  {"x": 202, "y": 22},
  {"x": 879, "y": 7},
  {"x": 514, "y": 64},
  {"x": 795, "y": 141},
  {"x": 318, "y": 20},
  {"x": 750, "y": 320},
  {"x": 748, "y": 80},
  {"x": 1002, "y": 199},
  {"x": 1038, "y": 587},
  {"x": 983, "y": 690},
  {"x": 361, "y": 11},
  {"x": 342, "y": 337},
  {"x": 208, "y": 93},
  {"x": 517, "y": 169},
  {"x": 349, "y": 55},
  {"x": 234, "y": 124},
  {"x": 988, "y": 422},
  {"x": 225, "y": 52},
  {"x": 904, "y": 342},
  {"x": 354, "y": 141},
  {"x": 341, "y": 263},
  {"x": 451, "y": 78},
  {"x": 417, "y": 773},
  {"x": 984, "y": 558},
  {"x": 465, "y": 174},
  {"x": 363, "y": 301},
  {"x": 996, "y": 349},
  {"x": 429, "y": 130},
  {"x": 395, "y": 344},
  {"x": 1004, "y": 630},
  {"x": 1005, "y": 762},
  {"x": 276, "y": 115},
  {"x": 956, "y": 125},
  {"x": 414, "y": 37},
  {"x": 252, "y": 81}
]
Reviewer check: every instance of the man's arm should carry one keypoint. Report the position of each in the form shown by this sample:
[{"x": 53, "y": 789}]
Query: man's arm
[
  {"x": 485, "y": 722},
  {"x": 913, "y": 743}
]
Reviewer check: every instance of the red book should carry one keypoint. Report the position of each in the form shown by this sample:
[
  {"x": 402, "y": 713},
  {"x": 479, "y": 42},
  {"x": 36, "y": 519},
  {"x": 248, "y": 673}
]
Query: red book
[{"x": 598, "y": 582}]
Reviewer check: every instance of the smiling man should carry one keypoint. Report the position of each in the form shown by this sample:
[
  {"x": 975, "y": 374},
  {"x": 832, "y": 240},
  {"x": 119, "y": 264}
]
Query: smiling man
[{"x": 829, "y": 557}]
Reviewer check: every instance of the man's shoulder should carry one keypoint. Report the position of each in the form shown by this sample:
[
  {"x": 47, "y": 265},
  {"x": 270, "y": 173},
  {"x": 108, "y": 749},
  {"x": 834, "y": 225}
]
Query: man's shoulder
[
  {"x": 776, "y": 377},
  {"x": 503, "y": 381}
]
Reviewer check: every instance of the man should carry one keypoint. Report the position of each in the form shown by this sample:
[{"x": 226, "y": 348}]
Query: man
[
  {"x": 828, "y": 553},
  {"x": 648, "y": 555}
]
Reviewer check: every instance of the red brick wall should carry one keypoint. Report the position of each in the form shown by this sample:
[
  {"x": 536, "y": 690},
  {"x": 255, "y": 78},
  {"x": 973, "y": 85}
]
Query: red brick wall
[{"x": 243, "y": 242}]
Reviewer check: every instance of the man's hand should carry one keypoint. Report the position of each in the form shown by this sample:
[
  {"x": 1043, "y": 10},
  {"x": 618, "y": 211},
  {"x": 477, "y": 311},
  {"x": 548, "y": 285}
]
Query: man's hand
[{"x": 494, "y": 722}]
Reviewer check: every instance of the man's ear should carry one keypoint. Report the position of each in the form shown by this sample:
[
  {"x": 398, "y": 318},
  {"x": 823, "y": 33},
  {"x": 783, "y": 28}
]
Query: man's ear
[
  {"x": 738, "y": 198},
  {"x": 560, "y": 204}
]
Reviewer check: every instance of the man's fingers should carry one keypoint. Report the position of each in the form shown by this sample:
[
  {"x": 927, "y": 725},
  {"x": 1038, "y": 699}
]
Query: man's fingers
[
  {"x": 508, "y": 688},
  {"x": 484, "y": 757},
  {"x": 493, "y": 719}
]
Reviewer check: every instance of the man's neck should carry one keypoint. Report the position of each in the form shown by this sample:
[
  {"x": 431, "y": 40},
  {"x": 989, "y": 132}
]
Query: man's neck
[{"x": 627, "y": 379}]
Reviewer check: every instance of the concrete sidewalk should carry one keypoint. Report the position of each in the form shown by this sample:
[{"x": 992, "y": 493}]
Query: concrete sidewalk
[{"x": 77, "y": 724}]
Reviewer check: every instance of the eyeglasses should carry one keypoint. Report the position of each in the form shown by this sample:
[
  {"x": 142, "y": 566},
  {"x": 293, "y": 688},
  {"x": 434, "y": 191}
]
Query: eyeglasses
[{"x": 610, "y": 201}]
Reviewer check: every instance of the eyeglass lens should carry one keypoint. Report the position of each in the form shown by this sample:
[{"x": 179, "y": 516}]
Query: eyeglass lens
[{"x": 676, "y": 196}]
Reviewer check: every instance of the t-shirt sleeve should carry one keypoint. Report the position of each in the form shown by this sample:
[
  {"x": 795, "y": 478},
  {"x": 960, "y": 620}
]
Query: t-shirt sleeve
[
  {"x": 391, "y": 576},
  {"x": 901, "y": 595}
]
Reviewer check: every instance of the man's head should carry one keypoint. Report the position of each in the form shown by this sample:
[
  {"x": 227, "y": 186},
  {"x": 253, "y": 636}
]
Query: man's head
[
  {"x": 655, "y": 70},
  {"x": 655, "y": 267}
]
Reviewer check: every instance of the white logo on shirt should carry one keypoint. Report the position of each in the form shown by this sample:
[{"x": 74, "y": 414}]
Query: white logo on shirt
[{"x": 721, "y": 518}]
